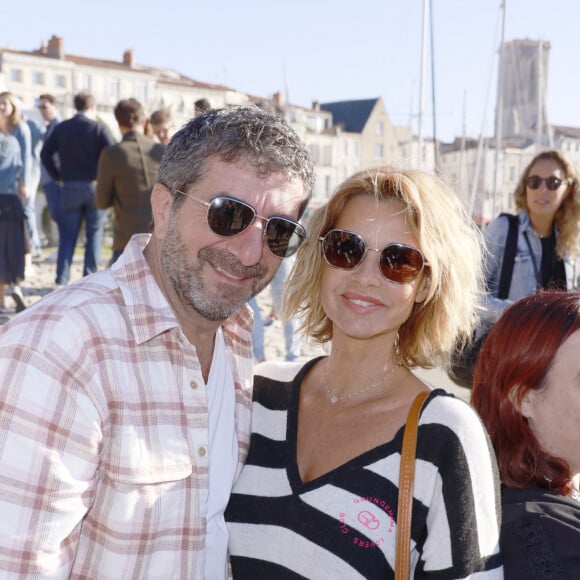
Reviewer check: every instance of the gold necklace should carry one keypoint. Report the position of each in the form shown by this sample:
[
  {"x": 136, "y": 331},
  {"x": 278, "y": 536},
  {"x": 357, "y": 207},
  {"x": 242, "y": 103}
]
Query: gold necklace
[{"x": 369, "y": 386}]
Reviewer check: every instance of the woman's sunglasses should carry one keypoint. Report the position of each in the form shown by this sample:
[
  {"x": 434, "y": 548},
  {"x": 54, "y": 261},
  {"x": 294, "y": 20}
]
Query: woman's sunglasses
[
  {"x": 346, "y": 250},
  {"x": 552, "y": 182},
  {"x": 228, "y": 216}
]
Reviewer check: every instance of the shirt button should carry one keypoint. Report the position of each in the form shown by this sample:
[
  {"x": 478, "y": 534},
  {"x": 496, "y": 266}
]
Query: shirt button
[
  {"x": 194, "y": 384},
  {"x": 202, "y": 451}
]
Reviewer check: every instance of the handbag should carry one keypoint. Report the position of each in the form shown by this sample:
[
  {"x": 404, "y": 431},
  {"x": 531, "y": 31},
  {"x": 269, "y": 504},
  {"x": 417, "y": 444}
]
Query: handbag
[
  {"x": 406, "y": 479},
  {"x": 462, "y": 364}
]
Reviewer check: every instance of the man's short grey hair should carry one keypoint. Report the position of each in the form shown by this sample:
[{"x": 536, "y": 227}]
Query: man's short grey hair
[{"x": 246, "y": 133}]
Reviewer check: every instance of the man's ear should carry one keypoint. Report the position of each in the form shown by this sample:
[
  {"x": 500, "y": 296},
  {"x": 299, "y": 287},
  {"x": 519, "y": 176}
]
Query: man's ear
[{"x": 161, "y": 202}]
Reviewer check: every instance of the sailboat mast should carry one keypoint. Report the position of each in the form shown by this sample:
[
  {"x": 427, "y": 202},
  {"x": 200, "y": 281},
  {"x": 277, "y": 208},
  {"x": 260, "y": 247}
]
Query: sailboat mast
[
  {"x": 422, "y": 85},
  {"x": 499, "y": 111}
]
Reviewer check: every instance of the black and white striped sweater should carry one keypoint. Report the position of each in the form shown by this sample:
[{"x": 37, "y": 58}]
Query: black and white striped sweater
[{"x": 343, "y": 524}]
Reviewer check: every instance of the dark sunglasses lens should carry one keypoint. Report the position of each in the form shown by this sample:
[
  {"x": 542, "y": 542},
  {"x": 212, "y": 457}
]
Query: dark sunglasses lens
[
  {"x": 229, "y": 217},
  {"x": 343, "y": 249},
  {"x": 401, "y": 263},
  {"x": 553, "y": 183},
  {"x": 284, "y": 236}
]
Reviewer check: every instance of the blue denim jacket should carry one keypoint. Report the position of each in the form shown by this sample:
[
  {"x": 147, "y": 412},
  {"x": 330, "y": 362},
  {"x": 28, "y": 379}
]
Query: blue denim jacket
[{"x": 524, "y": 280}]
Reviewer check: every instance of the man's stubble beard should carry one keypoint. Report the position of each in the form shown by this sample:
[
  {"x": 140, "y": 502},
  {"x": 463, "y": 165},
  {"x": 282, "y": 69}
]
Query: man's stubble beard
[{"x": 185, "y": 273}]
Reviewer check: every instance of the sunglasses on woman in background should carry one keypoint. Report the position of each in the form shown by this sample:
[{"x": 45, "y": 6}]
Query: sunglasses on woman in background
[{"x": 552, "y": 182}]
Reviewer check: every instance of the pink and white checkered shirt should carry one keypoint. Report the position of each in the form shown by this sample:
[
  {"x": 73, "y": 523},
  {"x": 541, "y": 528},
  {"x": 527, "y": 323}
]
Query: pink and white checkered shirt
[{"x": 103, "y": 431}]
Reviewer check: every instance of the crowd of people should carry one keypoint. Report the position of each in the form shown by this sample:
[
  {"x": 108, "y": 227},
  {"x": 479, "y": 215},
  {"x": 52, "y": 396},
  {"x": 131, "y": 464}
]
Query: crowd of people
[{"x": 139, "y": 438}]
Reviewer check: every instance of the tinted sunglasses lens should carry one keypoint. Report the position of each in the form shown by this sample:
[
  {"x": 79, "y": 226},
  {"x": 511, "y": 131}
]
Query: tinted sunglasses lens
[
  {"x": 553, "y": 183},
  {"x": 401, "y": 263},
  {"x": 343, "y": 249},
  {"x": 284, "y": 236},
  {"x": 229, "y": 217}
]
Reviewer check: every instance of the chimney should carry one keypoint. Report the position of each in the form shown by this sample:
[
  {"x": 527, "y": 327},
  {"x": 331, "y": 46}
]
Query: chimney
[
  {"x": 316, "y": 106},
  {"x": 278, "y": 99},
  {"x": 129, "y": 58},
  {"x": 55, "y": 47},
  {"x": 43, "y": 48}
]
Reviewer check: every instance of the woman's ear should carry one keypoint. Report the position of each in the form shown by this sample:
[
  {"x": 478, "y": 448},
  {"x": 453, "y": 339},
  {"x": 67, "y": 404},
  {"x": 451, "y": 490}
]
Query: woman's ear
[
  {"x": 424, "y": 287},
  {"x": 524, "y": 404}
]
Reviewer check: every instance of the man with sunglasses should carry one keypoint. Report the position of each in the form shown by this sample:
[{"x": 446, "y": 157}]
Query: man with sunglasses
[{"x": 126, "y": 396}]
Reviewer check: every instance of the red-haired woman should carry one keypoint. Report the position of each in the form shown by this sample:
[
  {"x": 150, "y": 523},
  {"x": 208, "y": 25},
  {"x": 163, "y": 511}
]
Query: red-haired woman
[{"x": 527, "y": 391}]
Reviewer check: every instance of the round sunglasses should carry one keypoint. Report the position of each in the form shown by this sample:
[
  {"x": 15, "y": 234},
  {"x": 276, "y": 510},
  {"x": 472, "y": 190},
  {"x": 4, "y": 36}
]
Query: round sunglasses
[
  {"x": 552, "y": 182},
  {"x": 397, "y": 262},
  {"x": 228, "y": 216}
]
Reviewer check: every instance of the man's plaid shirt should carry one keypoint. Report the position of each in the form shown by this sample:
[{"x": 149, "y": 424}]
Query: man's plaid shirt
[{"x": 103, "y": 431}]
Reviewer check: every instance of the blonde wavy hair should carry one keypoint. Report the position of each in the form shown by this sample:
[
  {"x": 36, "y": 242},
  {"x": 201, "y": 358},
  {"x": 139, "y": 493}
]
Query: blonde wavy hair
[
  {"x": 15, "y": 117},
  {"x": 567, "y": 217},
  {"x": 452, "y": 246}
]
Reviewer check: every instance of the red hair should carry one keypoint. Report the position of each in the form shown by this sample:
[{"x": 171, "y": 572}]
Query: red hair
[{"x": 514, "y": 359}]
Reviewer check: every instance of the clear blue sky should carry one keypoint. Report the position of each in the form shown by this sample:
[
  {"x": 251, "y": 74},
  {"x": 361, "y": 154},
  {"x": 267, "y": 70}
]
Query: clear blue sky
[{"x": 322, "y": 50}]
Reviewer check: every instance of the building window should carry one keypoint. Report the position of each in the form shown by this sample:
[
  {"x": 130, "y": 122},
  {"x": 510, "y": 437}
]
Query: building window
[
  {"x": 512, "y": 173},
  {"x": 85, "y": 82},
  {"x": 38, "y": 78},
  {"x": 314, "y": 152},
  {"x": 380, "y": 128},
  {"x": 327, "y": 155},
  {"x": 379, "y": 151},
  {"x": 16, "y": 75},
  {"x": 114, "y": 88},
  {"x": 59, "y": 80}
]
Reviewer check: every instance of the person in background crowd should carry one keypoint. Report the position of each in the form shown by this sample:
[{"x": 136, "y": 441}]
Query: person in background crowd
[
  {"x": 11, "y": 123},
  {"x": 126, "y": 395},
  {"x": 161, "y": 126},
  {"x": 48, "y": 107},
  {"x": 37, "y": 131},
  {"x": 527, "y": 391},
  {"x": 12, "y": 242},
  {"x": 389, "y": 275},
  {"x": 126, "y": 174},
  {"x": 548, "y": 201},
  {"x": 201, "y": 106},
  {"x": 78, "y": 142}
]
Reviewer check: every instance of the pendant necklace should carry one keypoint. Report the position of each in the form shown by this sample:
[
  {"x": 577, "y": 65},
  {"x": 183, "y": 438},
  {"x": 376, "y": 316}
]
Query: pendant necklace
[{"x": 368, "y": 387}]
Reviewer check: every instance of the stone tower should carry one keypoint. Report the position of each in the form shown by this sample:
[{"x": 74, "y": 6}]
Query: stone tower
[{"x": 525, "y": 78}]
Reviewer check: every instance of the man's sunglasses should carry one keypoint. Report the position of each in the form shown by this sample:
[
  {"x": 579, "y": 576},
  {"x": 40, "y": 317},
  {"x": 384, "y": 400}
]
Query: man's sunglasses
[
  {"x": 346, "y": 250},
  {"x": 552, "y": 182},
  {"x": 228, "y": 216}
]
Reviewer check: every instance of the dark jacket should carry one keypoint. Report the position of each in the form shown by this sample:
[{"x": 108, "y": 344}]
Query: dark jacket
[
  {"x": 126, "y": 174},
  {"x": 78, "y": 142},
  {"x": 540, "y": 534}
]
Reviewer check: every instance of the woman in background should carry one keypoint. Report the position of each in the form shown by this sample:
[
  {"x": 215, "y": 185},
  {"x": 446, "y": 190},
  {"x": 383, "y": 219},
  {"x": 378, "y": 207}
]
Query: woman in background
[
  {"x": 389, "y": 275},
  {"x": 12, "y": 245},
  {"x": 548, "y": 202},
  {"x": 527, "y": 391}
]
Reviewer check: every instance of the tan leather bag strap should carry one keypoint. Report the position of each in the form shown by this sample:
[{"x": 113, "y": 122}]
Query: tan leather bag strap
[{"x": 406, "y": 476}]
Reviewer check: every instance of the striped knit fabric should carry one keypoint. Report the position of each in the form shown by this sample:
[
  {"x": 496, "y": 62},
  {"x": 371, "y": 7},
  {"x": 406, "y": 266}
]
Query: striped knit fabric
[{"x": 343, "y": 524}]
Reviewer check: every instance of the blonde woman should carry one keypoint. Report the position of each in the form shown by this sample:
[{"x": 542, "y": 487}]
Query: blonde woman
[
  {"x": 389, "y": 277},
  {"x": 548, "y": 202}
]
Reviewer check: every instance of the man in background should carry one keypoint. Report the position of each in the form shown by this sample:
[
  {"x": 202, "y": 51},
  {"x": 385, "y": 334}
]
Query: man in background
[
  {"x": 48, "y": 107},
  {"x": 78, "y": 142},
  {"x": 126, "y": 174}
]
